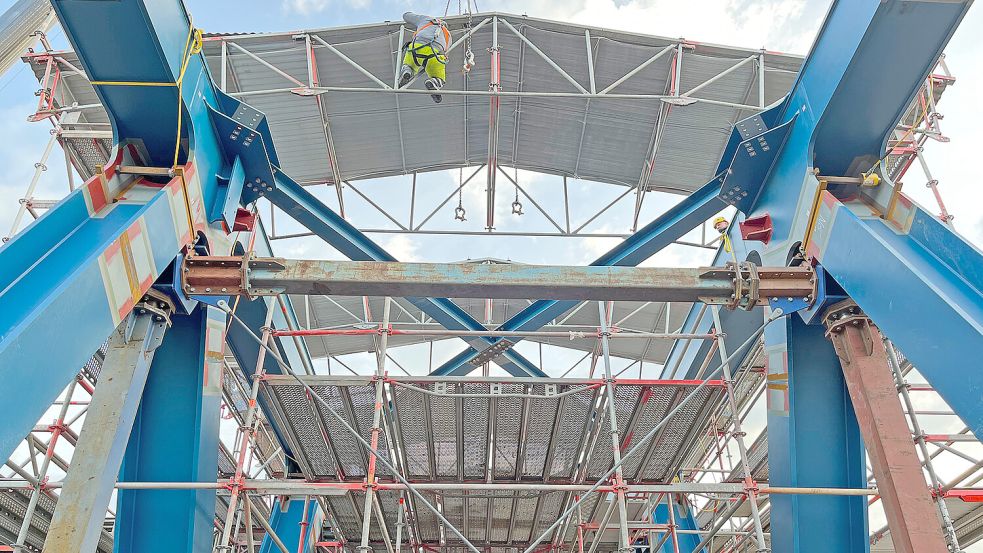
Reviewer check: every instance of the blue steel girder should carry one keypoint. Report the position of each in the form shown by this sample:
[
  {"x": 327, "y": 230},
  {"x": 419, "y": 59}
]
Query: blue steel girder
[
  {"x": 851, "y": 91},
  {"x": 920, "y": 282},
  {"x": 94, "y": 255},
  {"x": 916, "y": 278},
  {"x": 649, "y": 240}
]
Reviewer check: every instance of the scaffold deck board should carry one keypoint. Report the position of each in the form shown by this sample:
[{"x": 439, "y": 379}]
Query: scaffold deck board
[{"x": 482, "y": 430}]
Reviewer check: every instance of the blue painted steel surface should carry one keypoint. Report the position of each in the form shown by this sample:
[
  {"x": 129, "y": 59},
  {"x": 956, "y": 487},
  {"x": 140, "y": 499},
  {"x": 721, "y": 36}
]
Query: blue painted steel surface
[
  {"x": 53, "y": 273},
  {"x": 813, "y": 440},
  {"x": 312, "y": 213},
  {"x": 649, "y": 240},
  {"x": 174, "y": 438},
  {"x": 286, "y": 520},
  {"x": 45, "y": 296},
  {"x": 922, "y": 286},
  {"x": 853, "y": 88},
  {"x": 752, "y": 163},
  {"x": 684, "y": 521}
]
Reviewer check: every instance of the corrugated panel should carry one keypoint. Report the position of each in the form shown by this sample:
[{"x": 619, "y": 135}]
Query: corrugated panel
[{"x": 376, "y": 134}]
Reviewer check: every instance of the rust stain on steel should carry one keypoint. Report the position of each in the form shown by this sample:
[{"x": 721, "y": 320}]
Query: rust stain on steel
[
  {"x": 260, "y": 276},
  {"x": 908, "y": 507}
]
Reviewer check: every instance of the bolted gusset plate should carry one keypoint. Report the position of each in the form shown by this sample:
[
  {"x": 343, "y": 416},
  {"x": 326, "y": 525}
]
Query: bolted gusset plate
[{"x": 751, "y": 165}]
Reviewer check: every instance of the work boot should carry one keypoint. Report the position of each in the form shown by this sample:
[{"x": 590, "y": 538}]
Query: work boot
[
  {"x": 405, "y": 74},
  {"x": 434, "y": 83}
]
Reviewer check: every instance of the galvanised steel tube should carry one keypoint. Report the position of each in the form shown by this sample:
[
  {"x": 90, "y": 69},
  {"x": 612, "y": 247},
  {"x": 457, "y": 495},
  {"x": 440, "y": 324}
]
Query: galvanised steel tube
[
  {"x": 300, "y": 487},
  {"x": 615, "y": 333}
]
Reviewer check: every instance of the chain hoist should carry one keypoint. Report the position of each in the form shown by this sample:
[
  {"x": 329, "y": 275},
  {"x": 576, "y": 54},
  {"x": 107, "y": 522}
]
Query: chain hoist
[{"x": 468, "y": 53}]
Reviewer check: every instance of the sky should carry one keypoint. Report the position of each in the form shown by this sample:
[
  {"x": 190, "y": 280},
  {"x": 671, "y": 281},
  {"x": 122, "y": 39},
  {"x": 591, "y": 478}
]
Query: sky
[{"x": 782, "y": 25}]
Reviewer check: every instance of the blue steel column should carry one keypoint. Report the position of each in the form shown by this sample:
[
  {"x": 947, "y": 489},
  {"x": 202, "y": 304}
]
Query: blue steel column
[
  {"x": 682, "y": 516},
  {"x": 813, "y": 441},
  {"x": 175, "y": 439},
  {"x": 286, "y": 520}
]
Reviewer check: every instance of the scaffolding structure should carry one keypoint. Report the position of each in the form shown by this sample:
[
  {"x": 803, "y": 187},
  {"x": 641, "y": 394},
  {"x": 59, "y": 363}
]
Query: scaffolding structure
[{"x": 667, "y": 461}]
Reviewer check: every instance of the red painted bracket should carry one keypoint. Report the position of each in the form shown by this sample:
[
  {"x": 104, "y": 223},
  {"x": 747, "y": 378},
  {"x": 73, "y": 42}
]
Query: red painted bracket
[
  {"x": 245, "y": 220},
  {"x": 966, "y": 495},
  {"x": 757, "y": 228}
]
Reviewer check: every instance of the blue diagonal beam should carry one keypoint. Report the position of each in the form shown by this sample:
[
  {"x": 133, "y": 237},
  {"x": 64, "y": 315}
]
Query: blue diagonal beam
[
  {"x": 922, "y": 285},
  {"x": 324, "y": 222},
  {"x": 649, "y": 240}
]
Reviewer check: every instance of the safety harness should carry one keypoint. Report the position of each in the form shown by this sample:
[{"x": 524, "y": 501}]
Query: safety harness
[{"x": 420, "y": 58}]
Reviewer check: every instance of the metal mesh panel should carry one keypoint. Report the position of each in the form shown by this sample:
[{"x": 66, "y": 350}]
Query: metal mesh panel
[
  {"x": 664, "y": 452},
  {"x": 347, "y": 517},
  {"x": 410, "y": 418},
  {"x": 601, "y": 458},
  {"x": 454, "y": 513},
  {"x": 389, "y": 501},
  {"x": 443, "y": 414},
  {"x": 344, "y": 517},
  {"x": 426, "y": 520},
  {"x": 586, "y": 512},
  {"x": 87, "y": 151},
  {"x": 226, "y": 465},
  {"x": 268, "y": 447},
  {"x": 296, "y": 405},
  {"x": 570, "y": 434},
  {"x": 539, "y": 432},
  {"x": 653, "y": 408},
  {"x": 508, "y": 423},
  {"x": 234, "y": 383},
  {"x": 345, "y": 446},
  {"x": 93, "y": 366},
  {"x": 363, "y": 404},
  {"x": 549, "y": 511},
  {"x": 13, "y": 507},
  {"x": 501, "y": 519},
  {"x": 525, "y": 511},
  {"x": 475, "y": 431},
  {"x": 478, "y": 505}
]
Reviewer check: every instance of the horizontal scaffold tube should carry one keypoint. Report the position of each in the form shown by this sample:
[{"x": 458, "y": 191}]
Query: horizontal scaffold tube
[
  {"x": 571, "y": 334},
  {"x": 743, "y": 286},
  {"x": 301, "y": 487}
]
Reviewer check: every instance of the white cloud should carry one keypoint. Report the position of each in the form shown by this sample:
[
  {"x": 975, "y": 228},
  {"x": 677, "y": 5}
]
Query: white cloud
[
  {"x": 402, "y": 247},
  {"x": 786, "y": 25},
  {"x": 307, "y": 7}
]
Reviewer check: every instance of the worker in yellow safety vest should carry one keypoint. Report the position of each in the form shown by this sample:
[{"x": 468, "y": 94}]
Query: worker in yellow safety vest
[{"x": 427, "y": 51}]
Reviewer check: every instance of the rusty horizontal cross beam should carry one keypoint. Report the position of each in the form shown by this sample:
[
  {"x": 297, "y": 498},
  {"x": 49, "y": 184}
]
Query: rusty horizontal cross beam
[{"x": 745, "y": 286}]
